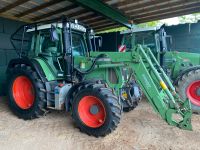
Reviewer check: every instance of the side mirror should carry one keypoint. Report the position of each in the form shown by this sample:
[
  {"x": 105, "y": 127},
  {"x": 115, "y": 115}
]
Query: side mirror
[
  {"x": 169, "y": 42},
  {"x": 100, "y": 41},
  {"x": 53, "y": 33},
  {"x": 96, "y": 42}
]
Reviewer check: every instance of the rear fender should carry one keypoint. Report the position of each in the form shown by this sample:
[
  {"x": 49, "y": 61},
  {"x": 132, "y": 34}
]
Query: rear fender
[
  {"x": 32, "y": 63},
  {"x": 46, "y": 68}
]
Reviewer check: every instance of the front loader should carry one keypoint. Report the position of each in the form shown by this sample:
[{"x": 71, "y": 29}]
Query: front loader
[
  {"x": 183, "y": 68},
  {"x": 57, "y": 69}
]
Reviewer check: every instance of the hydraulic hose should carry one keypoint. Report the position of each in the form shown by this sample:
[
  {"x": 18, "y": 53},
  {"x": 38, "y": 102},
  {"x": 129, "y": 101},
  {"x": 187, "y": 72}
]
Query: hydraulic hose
[{"x": 92, "y": 66}]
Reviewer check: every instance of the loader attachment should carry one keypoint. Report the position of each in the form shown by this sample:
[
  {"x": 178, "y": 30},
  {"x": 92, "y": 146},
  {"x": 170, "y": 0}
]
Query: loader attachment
[{"x": 159, "y": 90}]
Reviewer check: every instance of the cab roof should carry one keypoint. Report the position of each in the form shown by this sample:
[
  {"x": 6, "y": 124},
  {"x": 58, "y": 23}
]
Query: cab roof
[
  {"x": 74, "y": 26},
  {"x": 135, "y": 30}
]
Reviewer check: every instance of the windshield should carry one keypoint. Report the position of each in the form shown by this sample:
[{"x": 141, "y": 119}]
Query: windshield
[
  {"x": 143, "y": 38},
  {"x": 49, "y": 46}
]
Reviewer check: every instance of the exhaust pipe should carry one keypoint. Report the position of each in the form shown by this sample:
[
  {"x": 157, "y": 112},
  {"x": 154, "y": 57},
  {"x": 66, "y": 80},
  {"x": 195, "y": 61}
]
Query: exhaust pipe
[{"x": 67, "y": 47}]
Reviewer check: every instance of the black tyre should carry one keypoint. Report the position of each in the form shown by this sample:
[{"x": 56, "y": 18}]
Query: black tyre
[
  {"x": 189, "y": 86},
  {"x": 96, "y": 110},
  {"x": 130, "y": 96},
  {"x": 26, "y": 92}
]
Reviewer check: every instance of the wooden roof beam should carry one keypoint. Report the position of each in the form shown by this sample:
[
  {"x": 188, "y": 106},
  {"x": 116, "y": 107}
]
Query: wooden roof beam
[
  {"x": 168, "y": 10},
  {"x": 124, "y": 3},
  {"x": 169, "y": 15},
  {"x": 13, "y": 5},
  {"x": 142, "y": 5},
  {"x": 103, "y": 25},
  {"x": 71, "y": 7},
  {"x": 163, "y": 6},
  {"x": 100, "y": 19},
  {"x": 37, "y": 8},
  {"x": 91, "y": 17},
  {"x": 107, "y": 28},
  {"x": 103, "y": 21}
]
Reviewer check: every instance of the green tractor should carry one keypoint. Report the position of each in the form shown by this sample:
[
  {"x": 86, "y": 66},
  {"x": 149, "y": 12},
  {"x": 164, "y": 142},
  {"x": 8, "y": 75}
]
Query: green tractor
[
  {"x": 57, "y": 69},
  {"x": 182, "y": 67}
]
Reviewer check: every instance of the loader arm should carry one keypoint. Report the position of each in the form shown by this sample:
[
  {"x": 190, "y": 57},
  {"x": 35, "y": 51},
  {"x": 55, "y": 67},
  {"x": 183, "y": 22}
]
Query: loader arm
[
  {"x": 154, "y": 83},
  {"x": 159, "y": 90}
]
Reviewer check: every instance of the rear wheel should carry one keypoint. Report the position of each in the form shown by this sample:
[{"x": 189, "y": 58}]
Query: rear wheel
[
  {"x": 26, "y": 92},
  {"x": 23, "y": 92},
  {"x": 189, "y": 86},
  {"x": 96, "y": 110}
]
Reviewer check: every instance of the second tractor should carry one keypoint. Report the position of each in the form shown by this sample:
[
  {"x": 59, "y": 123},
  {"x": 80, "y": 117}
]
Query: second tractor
[{"x": 183, "y": 68}]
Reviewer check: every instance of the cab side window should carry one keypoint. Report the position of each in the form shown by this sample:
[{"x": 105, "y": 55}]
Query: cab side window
[
  {"x": 78, "y": 45},
  {"x": 47, "y": 45}
]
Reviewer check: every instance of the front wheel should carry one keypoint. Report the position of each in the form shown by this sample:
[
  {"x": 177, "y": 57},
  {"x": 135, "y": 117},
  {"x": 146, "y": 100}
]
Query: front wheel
[
  {"x": 189, "y": 87},
  {"x": 96, "y": 110},
  {"x": 130, "y": 96}
]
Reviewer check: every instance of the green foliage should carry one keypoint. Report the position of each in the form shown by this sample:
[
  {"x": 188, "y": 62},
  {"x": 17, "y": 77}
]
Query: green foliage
[
  {"x": 149, "y": 24},
  {"x": 192, "y": 18},
  {"x": 113, "y": 30},
  {"x": 189, "y": 18}
]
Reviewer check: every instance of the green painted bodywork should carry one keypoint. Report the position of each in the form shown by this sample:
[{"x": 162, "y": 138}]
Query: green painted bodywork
[
  {"x": 48, "y": 71},
  {"x": 162, "y": 100},
  {"x": 139, "y": 62},
  {"x": 178, "y": 62}
]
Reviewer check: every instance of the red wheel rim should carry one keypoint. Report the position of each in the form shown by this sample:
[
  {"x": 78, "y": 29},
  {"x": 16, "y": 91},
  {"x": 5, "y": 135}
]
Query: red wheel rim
[
  {"x": 23, "y": 92},
  {"x": 91, "y": 119},
  {"x": 192, "y": 92}
]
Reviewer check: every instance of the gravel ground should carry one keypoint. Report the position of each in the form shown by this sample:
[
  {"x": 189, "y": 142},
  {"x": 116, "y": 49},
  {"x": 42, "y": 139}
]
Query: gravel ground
[{"x": 140, "y": 129}]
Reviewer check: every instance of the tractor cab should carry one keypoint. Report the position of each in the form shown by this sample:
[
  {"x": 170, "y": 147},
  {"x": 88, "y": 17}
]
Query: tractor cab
[
  {"x": 154, "y": 38},
  {"x": 52, "y": 42}
]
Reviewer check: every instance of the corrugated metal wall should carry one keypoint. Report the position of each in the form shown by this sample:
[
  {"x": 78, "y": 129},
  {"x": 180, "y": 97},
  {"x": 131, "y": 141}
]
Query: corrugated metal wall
[
  {"x": 186, "y": 37},
  {"x": 111, "y": 41},
  {"x": 7, "y": 27}
]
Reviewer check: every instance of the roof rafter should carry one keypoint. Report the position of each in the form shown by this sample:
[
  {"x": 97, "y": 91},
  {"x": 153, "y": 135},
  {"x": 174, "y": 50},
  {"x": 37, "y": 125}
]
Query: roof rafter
[
  {"x": 163, "y": 8},
  {"x": 91, "y": 17},
  {"x": 142, "y": 5},
  {"x": 99, "y": 22},
  {"x": 13, "y": 5},
  {"x": 175, "y": 9},
  {"x": 103, "y": 25},
  {"x": 107, "y": 28},
  {"x": 169, "y": 14},
  {"x": 58, "y": 11},
  {"x": 123, "y": 3},
  {"x": 37, "y": 8}
]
